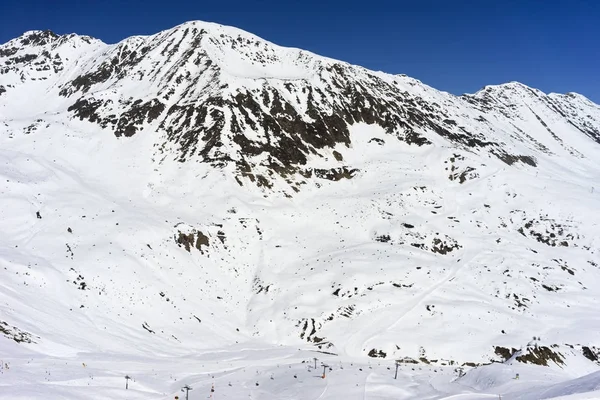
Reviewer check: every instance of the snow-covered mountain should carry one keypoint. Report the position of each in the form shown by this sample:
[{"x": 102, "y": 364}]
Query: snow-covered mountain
[{"x": 202, "y": 187}]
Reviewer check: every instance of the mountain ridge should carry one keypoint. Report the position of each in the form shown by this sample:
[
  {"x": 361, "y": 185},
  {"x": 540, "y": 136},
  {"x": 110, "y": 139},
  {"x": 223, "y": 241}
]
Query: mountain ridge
[{"x": 37, "y": 32}]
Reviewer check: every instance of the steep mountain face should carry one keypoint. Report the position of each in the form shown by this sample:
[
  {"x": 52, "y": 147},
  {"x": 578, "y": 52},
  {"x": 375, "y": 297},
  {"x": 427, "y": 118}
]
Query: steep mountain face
[
  {"x": 204, "y": 87},
  {"x": 202, "y": 186}
]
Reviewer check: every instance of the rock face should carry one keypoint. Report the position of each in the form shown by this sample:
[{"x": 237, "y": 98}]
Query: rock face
[
  {"x": 221, "y": 186},
  {"x": 14, "y": 333}
]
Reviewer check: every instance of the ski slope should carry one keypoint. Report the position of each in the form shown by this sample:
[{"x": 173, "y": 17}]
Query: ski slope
[{"x": 258, "y": 372}]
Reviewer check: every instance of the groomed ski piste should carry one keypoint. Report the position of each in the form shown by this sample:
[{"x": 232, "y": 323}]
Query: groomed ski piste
[
  {"x": 275, "y": 373},
  {"x": 137, "y": 254}
]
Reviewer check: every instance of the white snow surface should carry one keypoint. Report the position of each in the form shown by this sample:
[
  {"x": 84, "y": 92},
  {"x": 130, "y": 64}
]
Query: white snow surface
[{"x": 402, "y": 258}]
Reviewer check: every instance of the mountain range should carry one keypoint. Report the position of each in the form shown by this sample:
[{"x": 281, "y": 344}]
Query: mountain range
[{"x": 203, "y": 188}]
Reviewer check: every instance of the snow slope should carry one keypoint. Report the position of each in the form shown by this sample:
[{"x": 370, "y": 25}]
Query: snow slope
[{"x": 205, "y": 196}]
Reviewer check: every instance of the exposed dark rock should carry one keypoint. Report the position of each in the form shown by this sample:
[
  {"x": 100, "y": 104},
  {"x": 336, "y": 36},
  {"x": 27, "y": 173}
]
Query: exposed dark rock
[
  {"x": 548, "y": 231},
  {"x": 444, "y": 246},
  {"x": 24, "y": 58},
  {"x": 147, "y": 327},
  {"x": 9, "y": 51},
  {"x": 550, "y": 288},
  {"x": 378, "y": 141},
  {"x": 335, "y": 174},
  {"x": 308, "y": 332},
  {"x": 38, "y": 38},
  {"x": 467, "y": 173},
  {"x": 202, "y": 240},
  {"x": 408, "y": 360},
  {"x": 471, "y": 364},
  {"x": 540, "y": 355},
  {"x": 14, "y": 333},
  {"x": 589, "y": 354},
  {"x": 88, "y": 109},
  {"x": 374, "y": 353},
  {"x": 346, "y": 311},
  {"x": 86, "y": 81},
  {"x": 505, "y": 353},
  {"x": 187, "y": 240},
  {"x": 383, "y": 238},
  {"x": 511, "y": 159},
  {"x": 399, "y": 285},
  {"x": 139, "y": 113}
]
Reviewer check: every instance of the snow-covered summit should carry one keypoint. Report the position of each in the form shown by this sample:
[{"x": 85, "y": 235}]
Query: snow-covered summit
[{"x": 235, "y": 82}]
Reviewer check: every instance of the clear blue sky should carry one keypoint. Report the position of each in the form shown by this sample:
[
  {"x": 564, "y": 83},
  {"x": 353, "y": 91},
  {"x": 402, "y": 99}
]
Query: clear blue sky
[{"x": 458, "y": 46}]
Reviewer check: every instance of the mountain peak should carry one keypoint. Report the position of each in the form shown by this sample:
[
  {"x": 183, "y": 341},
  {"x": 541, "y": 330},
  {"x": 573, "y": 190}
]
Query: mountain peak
[
  {"x": 573, "y": 96},
  {"x": 243, "y": 55},
  {"x": 508, "y": 89},
  {"x": 37, "y": 37}
]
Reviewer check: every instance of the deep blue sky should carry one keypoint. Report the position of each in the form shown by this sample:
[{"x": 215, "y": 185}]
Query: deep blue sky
[{"x": 458, "y": 46}]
